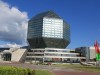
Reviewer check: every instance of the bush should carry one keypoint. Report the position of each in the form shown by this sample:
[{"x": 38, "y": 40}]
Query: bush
[{"x": 9, "y": 70}]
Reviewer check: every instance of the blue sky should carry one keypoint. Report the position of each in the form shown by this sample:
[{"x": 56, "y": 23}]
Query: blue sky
[{"x": 82, "y": 15}]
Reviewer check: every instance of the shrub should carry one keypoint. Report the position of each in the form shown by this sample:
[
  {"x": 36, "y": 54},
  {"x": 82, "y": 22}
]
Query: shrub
[{"x": 9, "y": 70}]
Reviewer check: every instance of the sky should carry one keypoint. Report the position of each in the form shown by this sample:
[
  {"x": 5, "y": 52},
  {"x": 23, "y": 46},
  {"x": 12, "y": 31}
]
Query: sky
[{"x": 82, "y": 15}]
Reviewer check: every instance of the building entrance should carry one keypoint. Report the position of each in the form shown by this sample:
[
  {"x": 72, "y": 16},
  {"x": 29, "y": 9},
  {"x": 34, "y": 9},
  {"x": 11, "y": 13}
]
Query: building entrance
[{"x": 7, "y": 57}]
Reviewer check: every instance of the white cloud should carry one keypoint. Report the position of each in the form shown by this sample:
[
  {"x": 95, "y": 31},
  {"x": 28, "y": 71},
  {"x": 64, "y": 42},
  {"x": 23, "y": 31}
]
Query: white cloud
[
  {"x": 11, "y": 45},
  {"x": 13, "y": 24}
]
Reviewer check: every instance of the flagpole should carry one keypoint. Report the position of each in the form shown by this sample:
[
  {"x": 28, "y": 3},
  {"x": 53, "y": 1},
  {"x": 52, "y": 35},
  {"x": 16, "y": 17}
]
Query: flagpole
[
  {"x": 95, "y": 54},
  {"x": 95, "y": 46}
]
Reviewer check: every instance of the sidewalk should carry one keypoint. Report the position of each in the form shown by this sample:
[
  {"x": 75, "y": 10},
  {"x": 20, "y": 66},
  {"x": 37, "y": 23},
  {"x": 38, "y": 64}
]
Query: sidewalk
[{"x": 75, "y": 73}]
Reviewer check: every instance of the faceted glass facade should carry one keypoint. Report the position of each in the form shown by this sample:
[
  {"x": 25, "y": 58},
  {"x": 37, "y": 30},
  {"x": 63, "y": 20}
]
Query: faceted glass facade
[
  {"x": 35, "y": 28},
  {"x": 48, "y": 30},
  {"x": 66, "y": 31},
  {"x": 52, "y": 28}
]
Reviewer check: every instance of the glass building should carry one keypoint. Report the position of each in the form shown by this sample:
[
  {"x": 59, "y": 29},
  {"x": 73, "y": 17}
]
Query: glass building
[{"x": 48, "y": 30}]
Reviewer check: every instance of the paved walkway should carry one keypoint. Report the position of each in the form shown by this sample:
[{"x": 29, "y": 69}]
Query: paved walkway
[
  {"x": 55, "y": 70},
  {"x": 75, "y": 73}
]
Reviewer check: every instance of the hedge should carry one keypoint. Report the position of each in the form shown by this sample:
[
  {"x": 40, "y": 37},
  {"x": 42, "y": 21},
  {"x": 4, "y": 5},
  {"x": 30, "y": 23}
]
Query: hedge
[{"x": 10, "y": 70}]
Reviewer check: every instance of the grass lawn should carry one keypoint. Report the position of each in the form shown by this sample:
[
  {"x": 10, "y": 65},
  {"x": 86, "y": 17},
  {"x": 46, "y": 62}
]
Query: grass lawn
[
  {"x": 79, "y": 67},
  {"x": 42, "y": 72}
]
